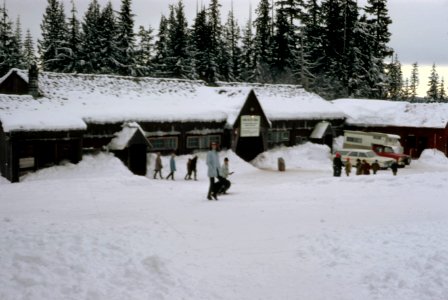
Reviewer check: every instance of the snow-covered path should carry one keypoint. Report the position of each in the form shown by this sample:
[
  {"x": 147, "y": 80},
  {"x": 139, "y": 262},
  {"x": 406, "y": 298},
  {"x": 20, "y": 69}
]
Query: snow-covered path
[{"x": 94, "y": 231}]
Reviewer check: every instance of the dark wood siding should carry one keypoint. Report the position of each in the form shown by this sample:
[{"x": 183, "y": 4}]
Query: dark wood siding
[{"x": 14, "y": 84}]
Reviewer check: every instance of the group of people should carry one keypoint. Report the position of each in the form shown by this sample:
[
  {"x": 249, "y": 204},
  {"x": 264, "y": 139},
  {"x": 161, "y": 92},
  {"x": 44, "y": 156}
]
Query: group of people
[
  {"x": 362, "y": 167},
  {"x": 191, "y": 167},
  {"x": 218, "y": 175}
]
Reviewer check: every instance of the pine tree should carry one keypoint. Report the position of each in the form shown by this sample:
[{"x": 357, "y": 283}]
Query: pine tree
[
  {"x": 220, "y": 50},
  {"x": 54, "y": 37},
  {"x": 395, "y": 79},
  {"x": 19, "y": 38},
  {"x": 312, "y": 45},
  {"x": 72, "y": 50},
  {"x": 205, "y": 67},
  {"x": 179, "y": 63},
  {"x": 111, "y": 55},
  {"x": 406, "y": 90},
  {"x": 442, "y": 91},
  {"x": 126, "y": 40},
  {"x": 160, "y": 61},
  {"x": 414, "y": 82},
  {"x": 232, "y": 38},
  {"x": 433, "y": 84},
  {"x": 9, "y": 46},
  {"x": 350, "y": 61},
  {"x": 379, "y": 37},
  {"x": 247, "y": 54},
  {"x": 263, "y": 42},
  {"x": 29, "y": 55},
  {"x": 144, "y": 51},
  {"x": 283, "y": 49},
  {"x": 362, "y": 63},
  {"x": 91, "y": 57},
  {"x": 330, "y": 83},
  {"x": 292, "y": 59}
]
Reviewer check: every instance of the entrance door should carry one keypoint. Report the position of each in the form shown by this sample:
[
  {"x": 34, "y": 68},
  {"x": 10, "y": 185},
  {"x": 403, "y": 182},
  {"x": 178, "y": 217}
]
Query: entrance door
[
  {"x": 249, "y": 147},
  {"x": 137, "y": 159}
]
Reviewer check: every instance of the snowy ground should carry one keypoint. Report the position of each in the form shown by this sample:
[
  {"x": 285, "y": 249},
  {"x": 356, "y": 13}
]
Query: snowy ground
[{"x": 94, "y": 231}]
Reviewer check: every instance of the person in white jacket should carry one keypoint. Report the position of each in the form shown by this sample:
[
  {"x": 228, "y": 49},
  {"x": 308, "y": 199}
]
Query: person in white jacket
[
  {"x": 224, "y": 182},
  {"x": 213, "y": 171}
]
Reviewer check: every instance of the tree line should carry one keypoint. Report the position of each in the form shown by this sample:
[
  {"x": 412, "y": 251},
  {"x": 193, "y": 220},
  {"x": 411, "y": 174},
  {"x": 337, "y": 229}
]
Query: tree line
[{"x": 331, "y": 47}]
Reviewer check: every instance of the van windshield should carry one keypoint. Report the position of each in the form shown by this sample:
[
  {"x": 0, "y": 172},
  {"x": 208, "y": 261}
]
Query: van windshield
[{"x": 370, "y": 154}]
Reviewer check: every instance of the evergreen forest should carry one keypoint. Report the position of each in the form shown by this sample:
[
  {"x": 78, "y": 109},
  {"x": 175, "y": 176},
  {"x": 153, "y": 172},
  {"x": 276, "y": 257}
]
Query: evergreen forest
[{"x": 334, "y": 48}]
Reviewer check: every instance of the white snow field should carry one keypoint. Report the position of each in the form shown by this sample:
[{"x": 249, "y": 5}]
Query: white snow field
[{"x": 95, "y": 231}]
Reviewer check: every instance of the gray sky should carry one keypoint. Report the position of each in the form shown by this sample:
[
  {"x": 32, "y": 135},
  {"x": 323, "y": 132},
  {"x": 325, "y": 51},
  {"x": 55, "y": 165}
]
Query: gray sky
[{"x": 419, "y": 29}]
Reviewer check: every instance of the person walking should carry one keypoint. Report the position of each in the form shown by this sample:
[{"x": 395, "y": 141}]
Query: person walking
[
  {"x": 213, "y": 171},
  {"x": 337, "y": 165},
  {"x": 394, "y": 168},
  {"x": 375, "y": 166},
  {"x": 188, "y": 175},
  {"x": 158, "y": 166},
  {"x": 348, "y": 167},
  {"x": 172, "y": 166},
  {"x": 194, "y": 161}
]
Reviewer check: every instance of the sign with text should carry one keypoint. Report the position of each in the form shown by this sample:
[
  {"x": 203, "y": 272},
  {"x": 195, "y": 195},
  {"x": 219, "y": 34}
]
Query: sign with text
[{"x": 250, "y": 126}]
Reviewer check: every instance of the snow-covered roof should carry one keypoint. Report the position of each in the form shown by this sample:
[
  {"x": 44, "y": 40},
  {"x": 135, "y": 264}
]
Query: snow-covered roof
[
  {"x": 113, "y": 99},
  {"x": 365, "y": 112},
  {"x": 319, "y": 130},
  {"x": 123, "y": 137},
  {"x": 19, "y": 72}
]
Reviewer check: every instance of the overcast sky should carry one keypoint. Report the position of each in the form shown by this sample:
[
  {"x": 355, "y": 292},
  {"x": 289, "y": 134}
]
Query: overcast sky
[{"x": 419, "y": 29}]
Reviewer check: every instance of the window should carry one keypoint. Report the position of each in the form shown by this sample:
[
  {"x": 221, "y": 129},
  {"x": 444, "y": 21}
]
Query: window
[
  {"x": 202, "y": 141},
  {"x": 300, "y": 140},
  {"x": 163, "y": 143},
  {"x": 278, "y": 136},
  {"x": 354, "y": 139}
]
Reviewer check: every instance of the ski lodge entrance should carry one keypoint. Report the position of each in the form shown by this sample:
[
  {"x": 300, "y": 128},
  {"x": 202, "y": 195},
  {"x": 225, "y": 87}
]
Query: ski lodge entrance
[{"x": 250, "y": 129}]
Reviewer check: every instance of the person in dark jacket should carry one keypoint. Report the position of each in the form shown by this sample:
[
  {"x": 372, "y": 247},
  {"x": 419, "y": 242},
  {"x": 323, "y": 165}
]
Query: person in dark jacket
[
  {"x": 394, "y": 168},
  {"x": 375, "y": 166},
  {"x": 158, "y": 166},
  {"x": 358, "y": 167},
  {"x": 188, "y": 175},
  {"x": 194, "y": 161},
  {"x": 337, "y": 165},
  {"x": 365, "y": 167}
]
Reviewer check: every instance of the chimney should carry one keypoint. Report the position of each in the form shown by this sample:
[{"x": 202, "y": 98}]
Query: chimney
[{"x": 33, "y": 80}]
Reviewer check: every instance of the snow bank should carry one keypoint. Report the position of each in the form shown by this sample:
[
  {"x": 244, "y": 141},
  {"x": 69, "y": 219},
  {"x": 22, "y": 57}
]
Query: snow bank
[
  {"x": 95, "y": 231},
  {"x": 431, "y": 158},
  {"x": 308, "y": 156},
  {"x": 92, "y": 166}
]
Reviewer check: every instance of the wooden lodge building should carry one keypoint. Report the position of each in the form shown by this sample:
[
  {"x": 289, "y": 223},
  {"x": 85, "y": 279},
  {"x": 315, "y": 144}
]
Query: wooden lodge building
[
  {"x": 420, "y": 125},
  {"x": 48, "y": 118}
]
